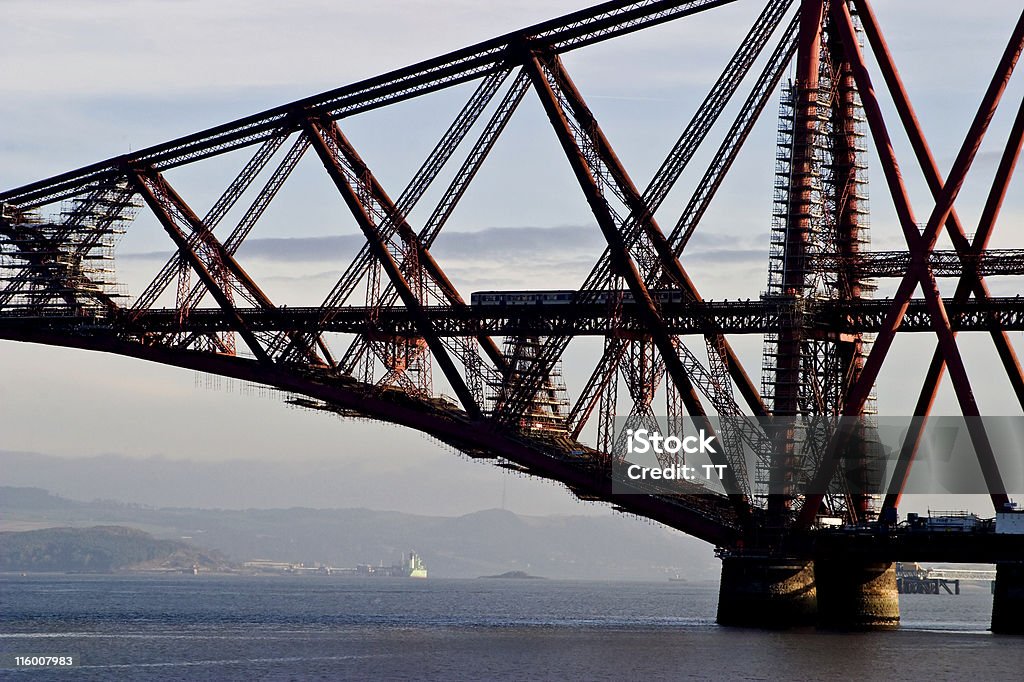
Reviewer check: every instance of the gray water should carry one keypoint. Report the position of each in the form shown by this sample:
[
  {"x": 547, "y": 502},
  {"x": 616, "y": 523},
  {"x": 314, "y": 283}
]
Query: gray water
[{"x": 328, "y": 628}]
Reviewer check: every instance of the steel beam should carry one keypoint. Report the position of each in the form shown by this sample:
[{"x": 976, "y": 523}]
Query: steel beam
[
  {"x": 830, "y": 321},
  {"x": 569, "y": 32},
  {"x": 217, "y": 212},
  {"x": 318, "y": 133}
]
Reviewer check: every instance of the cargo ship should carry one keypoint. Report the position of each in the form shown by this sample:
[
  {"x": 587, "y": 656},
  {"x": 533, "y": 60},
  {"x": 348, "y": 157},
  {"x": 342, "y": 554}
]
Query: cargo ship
[{"x": 411, "y": 566}]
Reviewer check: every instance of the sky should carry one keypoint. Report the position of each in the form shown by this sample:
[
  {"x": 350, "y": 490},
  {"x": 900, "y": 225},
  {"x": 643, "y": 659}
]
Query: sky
[{"x": 85, "y": 80}]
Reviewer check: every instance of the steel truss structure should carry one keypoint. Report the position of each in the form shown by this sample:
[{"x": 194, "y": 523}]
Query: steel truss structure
[{"x": 826, "y": 339}]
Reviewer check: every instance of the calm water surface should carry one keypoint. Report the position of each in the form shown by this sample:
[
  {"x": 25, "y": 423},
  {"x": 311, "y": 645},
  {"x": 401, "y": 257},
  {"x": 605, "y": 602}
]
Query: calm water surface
[{"x": 327, "y": 628}]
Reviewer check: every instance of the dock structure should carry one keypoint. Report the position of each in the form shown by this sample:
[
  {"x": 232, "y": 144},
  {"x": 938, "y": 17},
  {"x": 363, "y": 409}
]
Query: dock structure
[{"x": 915, "y": 579}]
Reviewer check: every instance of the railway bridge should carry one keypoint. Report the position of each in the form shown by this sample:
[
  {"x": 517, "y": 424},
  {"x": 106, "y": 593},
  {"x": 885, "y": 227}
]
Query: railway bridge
[{"x": 805, "y": 537}]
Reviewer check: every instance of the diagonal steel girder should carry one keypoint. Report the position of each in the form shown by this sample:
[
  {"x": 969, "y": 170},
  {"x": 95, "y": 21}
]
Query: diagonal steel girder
[
  {"x": 698, "y": 204},
  {"x": 719, "y": 351},
  {"x": 643, "y": 213},
  {"x": 569, "y": 32},
  {"x": 625, "y": 266},
  {"x": 257, "y": 207},
  {"x": 422, "y": 180},
  {"x": 954, "y": 227},
  {"x": 417, "y": 255},
  {"x": 320, "y": 132},
  {"x": 727, "y": 152},
  {"x": 213, "y": 217},
  {"x": 1009, "y": 359},
  {"x": 162, "y": 199},
  {"x": 418, "y": 185},
  {"x": 682, "y": 152},
  {"x": 669, "y": 172},
  {"x": 970, "y": 277},
  {"x": 227, "y": 274},
  {"x": 920, "y": 245},
  {"x": 454, "y": 193}
]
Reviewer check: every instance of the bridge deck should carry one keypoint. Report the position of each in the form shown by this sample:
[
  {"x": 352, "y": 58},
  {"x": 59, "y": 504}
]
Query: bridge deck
[{"x": 543, "y": 319}]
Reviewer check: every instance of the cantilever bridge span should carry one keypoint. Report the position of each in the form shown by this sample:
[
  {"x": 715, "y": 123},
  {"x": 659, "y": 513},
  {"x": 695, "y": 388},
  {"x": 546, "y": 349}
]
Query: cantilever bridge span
[{"x": 394, "y": 321}]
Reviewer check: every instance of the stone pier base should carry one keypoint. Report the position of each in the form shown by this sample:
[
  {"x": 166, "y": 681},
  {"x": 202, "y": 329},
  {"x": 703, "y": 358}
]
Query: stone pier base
[
  {"x": 766, "y": 593},
  {"x": 1008, "y": 600},
  {"x": 856, "y": 596}
]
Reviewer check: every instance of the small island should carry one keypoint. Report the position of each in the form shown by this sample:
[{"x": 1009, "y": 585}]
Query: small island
[{"x": 513, "y": 575}]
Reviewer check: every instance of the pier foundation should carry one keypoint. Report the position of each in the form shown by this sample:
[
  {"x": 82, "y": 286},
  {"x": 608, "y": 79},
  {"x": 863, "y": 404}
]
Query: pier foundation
[
  {"x": 1008, "y": 599},
  {"x": 856, "y": 596},
  {"x": 766, "y": 593}
]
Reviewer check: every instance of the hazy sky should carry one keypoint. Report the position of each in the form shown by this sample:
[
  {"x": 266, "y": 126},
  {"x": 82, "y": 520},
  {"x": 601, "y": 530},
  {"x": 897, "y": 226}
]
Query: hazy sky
[{"x": 85, "y": 80}]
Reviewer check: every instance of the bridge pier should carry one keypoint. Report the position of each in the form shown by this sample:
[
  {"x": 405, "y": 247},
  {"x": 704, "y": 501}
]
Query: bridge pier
[
  {"x": 766, "y": 593},
  {"x": 856, "y": 596},
  {"x": 1008, "y": 599},
  {"x": 830, "y": 593}
]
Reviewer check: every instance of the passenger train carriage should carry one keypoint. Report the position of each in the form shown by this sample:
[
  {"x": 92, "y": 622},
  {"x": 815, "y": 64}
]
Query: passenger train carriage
[{"x": 563, "y": 297}]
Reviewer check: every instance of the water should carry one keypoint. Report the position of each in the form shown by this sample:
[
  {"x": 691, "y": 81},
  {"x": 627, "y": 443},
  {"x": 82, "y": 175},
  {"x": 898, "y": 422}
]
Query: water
[{"x": 327, "y": 628}]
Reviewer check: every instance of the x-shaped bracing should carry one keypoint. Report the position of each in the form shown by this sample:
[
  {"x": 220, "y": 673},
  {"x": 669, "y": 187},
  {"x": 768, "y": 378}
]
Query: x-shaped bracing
[{"x": 920, "y": 245}]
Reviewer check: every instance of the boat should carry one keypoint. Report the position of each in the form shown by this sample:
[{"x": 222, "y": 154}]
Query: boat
[{"x": 413, "y": 566}]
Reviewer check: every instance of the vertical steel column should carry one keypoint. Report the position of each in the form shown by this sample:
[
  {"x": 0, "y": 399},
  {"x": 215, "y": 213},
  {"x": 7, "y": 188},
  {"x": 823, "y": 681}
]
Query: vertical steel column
[
  {"x": 789, "y": 357},
  {"x": 846, "y": 185}
]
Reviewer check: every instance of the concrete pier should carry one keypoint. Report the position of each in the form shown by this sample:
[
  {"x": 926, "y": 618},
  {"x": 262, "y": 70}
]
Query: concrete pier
[
  {"x": 1008, "y": 599},
  {"x": 856, "y": 596},
  {"x": 766, "y": 593}
]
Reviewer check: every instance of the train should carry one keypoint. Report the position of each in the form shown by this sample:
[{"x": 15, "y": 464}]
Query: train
[{"x": 564, "y": 297}]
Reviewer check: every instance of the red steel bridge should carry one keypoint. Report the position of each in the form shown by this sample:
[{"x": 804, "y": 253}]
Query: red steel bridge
[{"x": 394, "y": 321}]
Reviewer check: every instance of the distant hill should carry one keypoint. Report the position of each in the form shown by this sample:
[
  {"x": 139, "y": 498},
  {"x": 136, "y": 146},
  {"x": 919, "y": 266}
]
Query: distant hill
[
  {"x": 100, "y": 549},
  {"x": 440, "y": 484},
  {"x": 487, "y": 542},
  {"x": 33, "y": 498}
]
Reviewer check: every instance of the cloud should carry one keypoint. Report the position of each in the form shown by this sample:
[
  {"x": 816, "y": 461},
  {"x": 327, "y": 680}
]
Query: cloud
[
  {"x": 302, "y": 249},
  {"x": 731, "y": 256},
  {"x": 569, "y": 244},
  {"x": 523, "y": 257},
  {"x": 96, "y": 47},
  {"x": 509, "y": 241}
]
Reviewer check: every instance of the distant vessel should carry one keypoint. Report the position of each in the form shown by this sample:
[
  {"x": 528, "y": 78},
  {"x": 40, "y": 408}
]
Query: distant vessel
[
  {"x": 411, "y": 566},
  {"x": 414, "y": 566}
]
